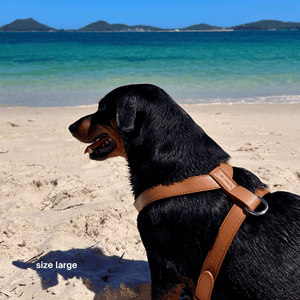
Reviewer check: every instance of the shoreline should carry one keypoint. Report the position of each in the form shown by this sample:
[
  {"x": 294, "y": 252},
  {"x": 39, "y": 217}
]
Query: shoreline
[
  {"x": 244, "y": 106},
  {"x": 255, "y": 100}
]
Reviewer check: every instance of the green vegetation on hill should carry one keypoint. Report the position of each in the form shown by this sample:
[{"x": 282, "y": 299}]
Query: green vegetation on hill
[
  {"x": 201, "y": 26},
  {"x": 104, "y": 26},
  {"x": 267, "y": 25},
  {"x": 26, "y": 25}
]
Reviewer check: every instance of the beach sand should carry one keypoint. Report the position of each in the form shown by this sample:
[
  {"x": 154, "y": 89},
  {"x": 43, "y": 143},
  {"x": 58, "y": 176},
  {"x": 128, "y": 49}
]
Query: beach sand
[{"x": 77, "y": 215}]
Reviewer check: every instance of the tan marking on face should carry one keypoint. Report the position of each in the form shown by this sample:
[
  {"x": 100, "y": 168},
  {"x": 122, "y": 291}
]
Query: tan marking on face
[{"x": 113, "y": 133}]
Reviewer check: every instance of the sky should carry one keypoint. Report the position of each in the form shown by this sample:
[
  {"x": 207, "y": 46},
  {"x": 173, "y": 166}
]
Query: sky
[{"x": 75, "y": 14}]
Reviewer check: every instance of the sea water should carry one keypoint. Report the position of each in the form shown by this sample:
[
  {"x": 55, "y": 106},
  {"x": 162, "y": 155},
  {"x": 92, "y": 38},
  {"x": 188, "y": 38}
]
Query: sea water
[{"x": 72, "y": 68}]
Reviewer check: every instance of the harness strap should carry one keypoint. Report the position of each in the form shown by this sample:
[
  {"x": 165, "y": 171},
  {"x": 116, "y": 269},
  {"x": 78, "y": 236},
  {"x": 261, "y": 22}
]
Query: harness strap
[
  {"x": 188, "y": 186},
  {"x": 245, "y": 201},
  {"x": 227, "y": 231}
]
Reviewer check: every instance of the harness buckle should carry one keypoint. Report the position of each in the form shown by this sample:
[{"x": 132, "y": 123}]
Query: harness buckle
[{"x": 259, "y": 213}]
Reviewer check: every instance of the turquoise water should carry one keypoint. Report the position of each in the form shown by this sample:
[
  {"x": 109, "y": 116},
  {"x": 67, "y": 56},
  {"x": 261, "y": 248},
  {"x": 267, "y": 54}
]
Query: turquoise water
[{"x": 70, "y": 69}]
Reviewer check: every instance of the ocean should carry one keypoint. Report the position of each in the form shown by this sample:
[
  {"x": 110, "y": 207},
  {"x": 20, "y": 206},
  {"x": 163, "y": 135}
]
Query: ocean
[{"x": 72, "y": 69}]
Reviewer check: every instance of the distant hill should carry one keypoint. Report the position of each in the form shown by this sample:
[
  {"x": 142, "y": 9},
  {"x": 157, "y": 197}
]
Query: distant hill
[
  {"x": 267, "y": 25},
  {"x": 104, "y": 26},
  {"x": 26, "y": 25},
  {"x": 32, "y": 25},
  {"x": 201, "y": 26}
]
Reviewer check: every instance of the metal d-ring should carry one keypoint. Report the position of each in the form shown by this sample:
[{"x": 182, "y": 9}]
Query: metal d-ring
[{"x": 260, "y": 213}]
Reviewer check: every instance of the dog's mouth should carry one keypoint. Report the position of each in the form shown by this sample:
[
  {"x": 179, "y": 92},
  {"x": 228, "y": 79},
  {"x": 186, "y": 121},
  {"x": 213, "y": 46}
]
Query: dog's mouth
[{"x": 101, "y": 147}]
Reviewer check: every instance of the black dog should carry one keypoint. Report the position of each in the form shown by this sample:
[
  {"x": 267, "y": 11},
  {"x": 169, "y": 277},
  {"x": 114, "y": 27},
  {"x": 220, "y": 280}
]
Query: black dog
[{"x": 162, "y": 145}]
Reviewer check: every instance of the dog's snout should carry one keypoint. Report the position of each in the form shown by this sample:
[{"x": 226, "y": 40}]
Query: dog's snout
[{"x": 81, "y": 129}]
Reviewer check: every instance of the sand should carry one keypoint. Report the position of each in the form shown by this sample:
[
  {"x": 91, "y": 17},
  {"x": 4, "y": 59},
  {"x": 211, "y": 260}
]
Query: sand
[{"x": 68, "y": 224}]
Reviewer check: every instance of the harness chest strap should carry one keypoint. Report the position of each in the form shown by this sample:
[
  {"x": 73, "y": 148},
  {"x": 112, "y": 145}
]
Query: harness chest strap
[
  {"x": 220, "y": 177},
  {"x": 227, "y": 231}
]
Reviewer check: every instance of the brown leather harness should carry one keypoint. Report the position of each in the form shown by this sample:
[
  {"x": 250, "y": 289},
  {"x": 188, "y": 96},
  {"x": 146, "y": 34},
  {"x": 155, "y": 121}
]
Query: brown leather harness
[{"x": 244, "y": 202}]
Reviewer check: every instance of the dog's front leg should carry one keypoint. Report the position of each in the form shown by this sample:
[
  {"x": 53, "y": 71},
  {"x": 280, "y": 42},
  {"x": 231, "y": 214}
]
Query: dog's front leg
[
  {"x": 165, "y": 282},
  {"x": 161, "y": 293}
]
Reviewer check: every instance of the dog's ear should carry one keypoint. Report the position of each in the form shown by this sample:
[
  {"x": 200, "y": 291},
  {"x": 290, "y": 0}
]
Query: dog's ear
[{"x": 126, "y": 112}]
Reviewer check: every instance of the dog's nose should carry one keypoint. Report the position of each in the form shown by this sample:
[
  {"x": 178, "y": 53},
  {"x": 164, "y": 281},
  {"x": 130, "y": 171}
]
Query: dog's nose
[
  {"x": 80, "y": 129},
  {"x": 73, "y": 128}
]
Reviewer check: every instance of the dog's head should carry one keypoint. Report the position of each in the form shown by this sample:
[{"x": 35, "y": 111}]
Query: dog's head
[
  {"x": 101, "y": 131},
  {"x": 117, "y": 116}
]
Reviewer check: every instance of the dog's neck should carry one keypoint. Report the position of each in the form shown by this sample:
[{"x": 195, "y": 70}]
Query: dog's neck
[{"x": 172, "y": 159}]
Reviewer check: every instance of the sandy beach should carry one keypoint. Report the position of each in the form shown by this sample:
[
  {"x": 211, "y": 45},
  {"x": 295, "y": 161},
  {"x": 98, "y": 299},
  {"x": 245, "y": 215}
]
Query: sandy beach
[{"x": 68, "y": 224}]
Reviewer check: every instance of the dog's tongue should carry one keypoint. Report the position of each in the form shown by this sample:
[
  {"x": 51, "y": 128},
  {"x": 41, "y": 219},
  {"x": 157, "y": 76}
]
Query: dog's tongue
[{"x": 90, "y": 149}]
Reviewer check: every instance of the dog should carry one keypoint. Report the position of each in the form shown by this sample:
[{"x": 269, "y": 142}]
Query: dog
[{"x": 162, "y": 145}]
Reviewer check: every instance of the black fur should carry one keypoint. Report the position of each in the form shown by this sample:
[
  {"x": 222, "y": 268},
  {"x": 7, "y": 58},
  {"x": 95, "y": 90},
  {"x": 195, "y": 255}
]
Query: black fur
[{"x": 163, "y": 144}]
